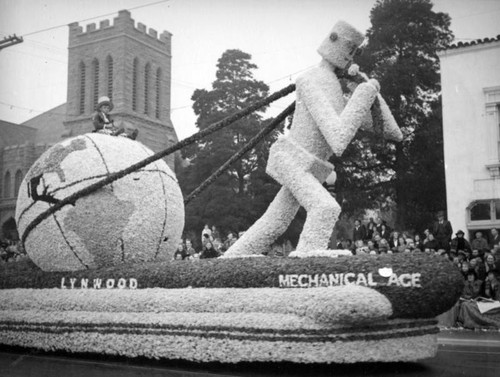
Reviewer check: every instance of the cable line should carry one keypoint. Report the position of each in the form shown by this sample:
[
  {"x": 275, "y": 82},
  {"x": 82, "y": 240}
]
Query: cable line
[
  {"x": 93, "y": 18},
  {"x": 235, "y": 157}
]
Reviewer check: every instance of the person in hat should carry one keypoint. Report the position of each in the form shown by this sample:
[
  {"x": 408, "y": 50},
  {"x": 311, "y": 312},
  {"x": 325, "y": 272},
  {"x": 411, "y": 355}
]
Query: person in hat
[
  {"x": 442, "y": 231},
  {"x": 472, "y": 287},
  {"x": 103, "y": 122},
  {"x": 459, "y": 242}
]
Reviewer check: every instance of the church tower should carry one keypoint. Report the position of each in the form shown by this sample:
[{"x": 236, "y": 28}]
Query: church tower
[{"x": 131, "y": 66}]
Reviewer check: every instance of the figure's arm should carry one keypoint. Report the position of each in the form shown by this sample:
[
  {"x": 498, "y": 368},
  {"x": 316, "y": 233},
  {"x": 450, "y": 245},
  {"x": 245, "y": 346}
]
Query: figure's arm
[
  {"x": 337, "y": 130},
  {"x": 367, "y": 123},
  {"x": 391, "y": 129},
  {"x": 380, "y": 114}
]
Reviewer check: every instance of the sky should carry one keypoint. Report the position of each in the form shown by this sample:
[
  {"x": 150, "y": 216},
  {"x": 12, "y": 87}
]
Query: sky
[{"x": 281, "y": 36}]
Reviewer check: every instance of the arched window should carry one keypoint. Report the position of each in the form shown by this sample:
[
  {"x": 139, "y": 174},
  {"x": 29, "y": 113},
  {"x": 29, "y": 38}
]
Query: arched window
[
  {"x": 18, "y": 179},
  {"x": 147, "y": 74},
  {"x": 109, "y": 73},
  {"x": 6, "y": 185},
  {"x": 135, "y": 77},
  {"x": 95, "y": 82},
  {"x": 157, "y": 101},
  {"x": 82, "y": 70},
  {"x": 484, "y": 210}
]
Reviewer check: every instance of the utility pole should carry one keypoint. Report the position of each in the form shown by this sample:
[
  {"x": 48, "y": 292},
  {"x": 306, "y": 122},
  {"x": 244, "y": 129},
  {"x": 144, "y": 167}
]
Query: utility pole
[{"x": 11, "y": 40}]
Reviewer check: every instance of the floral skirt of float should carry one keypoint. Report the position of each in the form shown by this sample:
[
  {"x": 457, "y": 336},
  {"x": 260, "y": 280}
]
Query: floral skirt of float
[{"x": 304, "y": 310}]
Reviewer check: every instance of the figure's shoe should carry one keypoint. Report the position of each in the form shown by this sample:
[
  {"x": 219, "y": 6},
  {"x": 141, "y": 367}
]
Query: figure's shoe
[{"x": 134, "y": 134}]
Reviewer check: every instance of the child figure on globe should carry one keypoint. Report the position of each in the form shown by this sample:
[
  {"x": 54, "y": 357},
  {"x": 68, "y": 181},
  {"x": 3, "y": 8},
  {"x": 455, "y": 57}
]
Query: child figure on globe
[{"x": 103, "y": 122}]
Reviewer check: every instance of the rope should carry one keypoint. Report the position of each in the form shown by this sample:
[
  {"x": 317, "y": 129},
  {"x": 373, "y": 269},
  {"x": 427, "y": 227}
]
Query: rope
[
  {"x": 251, "y": 143},
  {"x": 121, "y": 173}
]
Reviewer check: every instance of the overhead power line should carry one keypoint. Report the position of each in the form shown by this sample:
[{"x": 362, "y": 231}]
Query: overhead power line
[{"x": 93, "y": 18}]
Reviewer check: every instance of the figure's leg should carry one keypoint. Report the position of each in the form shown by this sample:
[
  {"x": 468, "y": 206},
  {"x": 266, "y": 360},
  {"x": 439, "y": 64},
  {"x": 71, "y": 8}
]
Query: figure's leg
[
  {"x": 118, "y": 131},
  {"x": 322, "y": 213},
  {"x": 273, "y": 223}
]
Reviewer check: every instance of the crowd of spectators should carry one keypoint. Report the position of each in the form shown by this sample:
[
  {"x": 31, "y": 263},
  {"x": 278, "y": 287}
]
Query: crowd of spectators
[
  {"x": 373, "y": 237},
  {"x": 479, "y": 263},
  {"x": 478, "y": 259},
  {"x": 213, "y": 245},
  {"x": 377, "y": 237},
  {"x": 481, "y": 273}
]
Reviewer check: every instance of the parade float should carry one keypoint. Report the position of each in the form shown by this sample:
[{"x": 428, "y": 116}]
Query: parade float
[{"x": 100, "y": 227}]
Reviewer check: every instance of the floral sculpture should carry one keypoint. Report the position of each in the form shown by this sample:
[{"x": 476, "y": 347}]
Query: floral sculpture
[
  {"x": 137, "y": 218},
  {"x": 323, "y": 124}
]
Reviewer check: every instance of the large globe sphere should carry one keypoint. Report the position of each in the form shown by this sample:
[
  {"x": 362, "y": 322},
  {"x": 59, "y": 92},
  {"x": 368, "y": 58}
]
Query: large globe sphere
[{"x": 137, "y": 218}]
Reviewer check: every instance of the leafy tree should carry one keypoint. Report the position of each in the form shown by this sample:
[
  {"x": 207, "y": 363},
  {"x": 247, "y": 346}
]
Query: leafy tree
[
  {"x": 402, "y": 54},
  {"x": 425, "y": 181},
  {"x": 237, "y": 198}
]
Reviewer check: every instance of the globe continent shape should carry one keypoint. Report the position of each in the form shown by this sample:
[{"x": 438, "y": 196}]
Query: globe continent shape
[{"x": 137, "y": 218}]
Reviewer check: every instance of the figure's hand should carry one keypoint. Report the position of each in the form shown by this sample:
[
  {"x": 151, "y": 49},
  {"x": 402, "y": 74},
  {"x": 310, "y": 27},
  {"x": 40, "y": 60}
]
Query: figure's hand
[
  {"x": 353, "y": 70},
  {"x": 370, "y": 87},
  {"x": 374, "y": 83},
  {"x": 330, "y": 180}
]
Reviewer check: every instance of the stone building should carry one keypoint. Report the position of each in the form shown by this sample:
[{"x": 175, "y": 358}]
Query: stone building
[
  {"x": 470, "y": 80},
  {"x": 124, "y": 61}
]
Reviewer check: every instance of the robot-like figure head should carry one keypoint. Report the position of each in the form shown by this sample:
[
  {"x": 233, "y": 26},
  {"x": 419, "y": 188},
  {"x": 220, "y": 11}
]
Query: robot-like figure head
[{"x": 341, "y": 45}]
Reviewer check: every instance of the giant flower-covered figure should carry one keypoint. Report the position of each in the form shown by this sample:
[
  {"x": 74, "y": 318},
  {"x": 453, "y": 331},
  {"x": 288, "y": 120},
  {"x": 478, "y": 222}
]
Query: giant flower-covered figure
[{"x": 324, "y": 123}]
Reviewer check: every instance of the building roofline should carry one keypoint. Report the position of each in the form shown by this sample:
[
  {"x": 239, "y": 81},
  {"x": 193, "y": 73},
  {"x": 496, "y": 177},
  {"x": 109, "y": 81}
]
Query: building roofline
[
  {"x": 475, "y": 42},
  {"x": 45, "y": 113},
  {"x": 7, "y": 123}
]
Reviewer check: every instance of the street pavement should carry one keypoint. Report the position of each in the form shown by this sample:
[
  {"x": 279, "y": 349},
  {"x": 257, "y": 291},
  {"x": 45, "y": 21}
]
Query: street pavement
[{"x": 461, "y": 353}]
